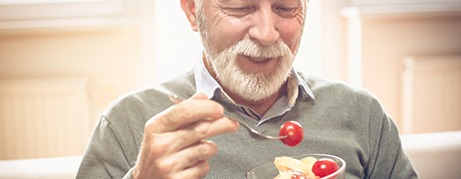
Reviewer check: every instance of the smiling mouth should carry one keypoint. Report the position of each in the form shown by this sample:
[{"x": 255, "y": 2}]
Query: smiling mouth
[{"x": 259, "y": 59}]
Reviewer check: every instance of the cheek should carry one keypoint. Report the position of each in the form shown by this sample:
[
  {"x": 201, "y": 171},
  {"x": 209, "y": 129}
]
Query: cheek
[
  {"x": 291, "y": 35},
  {"x": 291, "y": 32},
  {"x": 223, "y": 30},
  {"x": 226, "y": 35}
]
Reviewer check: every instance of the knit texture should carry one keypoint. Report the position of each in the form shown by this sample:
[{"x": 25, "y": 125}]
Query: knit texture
[{"x": 341, "y": 120}]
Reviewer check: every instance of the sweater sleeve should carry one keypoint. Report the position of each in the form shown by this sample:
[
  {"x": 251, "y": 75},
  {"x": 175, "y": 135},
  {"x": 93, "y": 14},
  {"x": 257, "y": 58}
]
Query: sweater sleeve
[
  {"x": 104, "y": 156},
  {"x": 387, "y": 158}
]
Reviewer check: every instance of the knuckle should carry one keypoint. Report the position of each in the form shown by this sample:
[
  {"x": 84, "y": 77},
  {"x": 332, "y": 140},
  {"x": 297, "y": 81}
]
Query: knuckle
[
  {"x": 191, "y": 159},
  {"x": 208, "y": 149},
  {"x": 155, "y": 145},
  {"x": 202, "y": 129},
  {"x": 206, "y": 169},
  {"x": 168, "y": 120},
  {"x": 158, "y": 123},
  {"x": 213, "y": 149},
  {"x": 164, "y": 167},
  {"x": 201, "y": 152},
  {"x": 175, "y": 116},
  {"x": 218, "y": 109},
  {"x": 149, "y": 124},
  {"x": 181, "y": 112},
  {"x": 158, "y": 150}
]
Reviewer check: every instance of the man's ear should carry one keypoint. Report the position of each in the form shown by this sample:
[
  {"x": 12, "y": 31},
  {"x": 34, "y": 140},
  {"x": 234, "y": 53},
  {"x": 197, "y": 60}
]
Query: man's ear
[{"x": 188, "y": 6}]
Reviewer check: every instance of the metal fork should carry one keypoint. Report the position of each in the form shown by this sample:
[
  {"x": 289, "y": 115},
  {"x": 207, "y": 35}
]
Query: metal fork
[{"x": 175, "y": 99}]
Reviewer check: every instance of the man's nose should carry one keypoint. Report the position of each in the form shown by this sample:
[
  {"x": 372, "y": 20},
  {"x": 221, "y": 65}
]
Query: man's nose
[{"x": 264, "y": 28}]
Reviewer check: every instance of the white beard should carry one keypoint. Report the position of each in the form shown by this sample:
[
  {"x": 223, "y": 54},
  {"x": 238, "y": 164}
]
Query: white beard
[{"x": 251, "y": 86}]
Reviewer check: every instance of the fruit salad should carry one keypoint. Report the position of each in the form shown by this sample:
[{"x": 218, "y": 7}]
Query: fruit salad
[{"x": 306, "y": 168}]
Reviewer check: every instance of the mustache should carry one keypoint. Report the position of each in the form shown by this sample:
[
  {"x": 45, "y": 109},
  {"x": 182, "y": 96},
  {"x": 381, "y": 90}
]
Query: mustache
[{"x": 252, "y": 49}]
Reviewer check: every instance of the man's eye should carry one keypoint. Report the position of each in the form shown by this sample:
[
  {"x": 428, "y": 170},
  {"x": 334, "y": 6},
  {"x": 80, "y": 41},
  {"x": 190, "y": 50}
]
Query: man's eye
[
  {"x": 240, "y": 11},
  {"x": 286, "y": 11}
]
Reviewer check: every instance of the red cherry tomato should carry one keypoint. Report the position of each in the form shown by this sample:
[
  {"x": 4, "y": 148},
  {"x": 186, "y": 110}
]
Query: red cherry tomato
[
  {"x": 294, "y": 132},
  {"x": 324, "y": 167}
]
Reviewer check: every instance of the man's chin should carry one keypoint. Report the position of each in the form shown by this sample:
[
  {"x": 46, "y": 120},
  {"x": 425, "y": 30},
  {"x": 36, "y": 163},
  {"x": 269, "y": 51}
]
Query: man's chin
[{"x": 252, "y": 94}]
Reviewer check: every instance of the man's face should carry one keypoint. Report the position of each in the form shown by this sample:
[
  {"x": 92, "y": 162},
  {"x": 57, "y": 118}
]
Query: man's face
[{"x": 249, "y": 44}]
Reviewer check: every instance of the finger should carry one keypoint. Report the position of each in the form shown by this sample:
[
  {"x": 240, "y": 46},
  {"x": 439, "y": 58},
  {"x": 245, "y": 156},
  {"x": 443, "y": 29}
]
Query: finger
[
  {"x": 198, "y": 171},
  {"x": 201, "y": 130},
  {"x": 199, "y": 96},
  {"x": 190, "y": 156},
  {"x": 222, "y": 126},
  {"x": 175, "y": 99},
  {"x": 183, "y": 114},
  {"x": 177, "y": 162}
]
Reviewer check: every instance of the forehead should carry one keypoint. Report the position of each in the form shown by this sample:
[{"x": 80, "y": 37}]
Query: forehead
[{"x": 256, "y": 1}]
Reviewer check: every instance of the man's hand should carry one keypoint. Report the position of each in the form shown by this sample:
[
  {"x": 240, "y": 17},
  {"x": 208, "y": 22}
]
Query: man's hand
[{"x": 174, "y": 144}]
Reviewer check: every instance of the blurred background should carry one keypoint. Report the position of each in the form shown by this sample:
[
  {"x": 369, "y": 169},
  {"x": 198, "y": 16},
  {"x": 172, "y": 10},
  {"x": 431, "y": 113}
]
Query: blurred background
[{"x": 62, "y": 62}]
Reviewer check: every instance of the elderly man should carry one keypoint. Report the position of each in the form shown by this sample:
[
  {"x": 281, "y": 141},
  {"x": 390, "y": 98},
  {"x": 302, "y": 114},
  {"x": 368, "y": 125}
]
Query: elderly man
[{"x": 245, "y": 75}]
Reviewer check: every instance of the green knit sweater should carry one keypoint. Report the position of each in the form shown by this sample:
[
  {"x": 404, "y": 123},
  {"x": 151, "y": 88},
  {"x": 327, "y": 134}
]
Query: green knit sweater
[{"x": 341, "y": 120}]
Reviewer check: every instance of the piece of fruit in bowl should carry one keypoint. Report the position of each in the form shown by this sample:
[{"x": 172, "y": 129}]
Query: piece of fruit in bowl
[{"x": 306, "y": 168}]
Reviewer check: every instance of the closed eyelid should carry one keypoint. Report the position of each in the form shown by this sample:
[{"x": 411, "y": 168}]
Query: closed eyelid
[
  {"x": 243, "y": 8},
  {"x": 287, "y": 10},
  {"x": 281, "y": 7},
  {"x": 286, "y": 7},
  {"x": 239, "y": 10}
]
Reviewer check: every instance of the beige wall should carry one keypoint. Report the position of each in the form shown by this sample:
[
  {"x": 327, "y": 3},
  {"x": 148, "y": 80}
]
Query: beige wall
[
  {"x": 68, "y": 59},
  {"x": 109, "y": 58},
  {"x": 386, "y": 40},
  {"x": 106, "y": 57}
]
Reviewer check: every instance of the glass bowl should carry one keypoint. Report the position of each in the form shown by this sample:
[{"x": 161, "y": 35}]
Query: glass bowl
[{"x": 267, "y": 170}]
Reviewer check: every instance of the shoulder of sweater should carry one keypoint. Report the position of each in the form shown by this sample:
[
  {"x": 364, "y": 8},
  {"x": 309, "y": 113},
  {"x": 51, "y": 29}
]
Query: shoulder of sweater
[
  {"x": 148, "y": 101},
  {"x": 332, "y": 94},
  {"x": 334, "y": 88}
]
